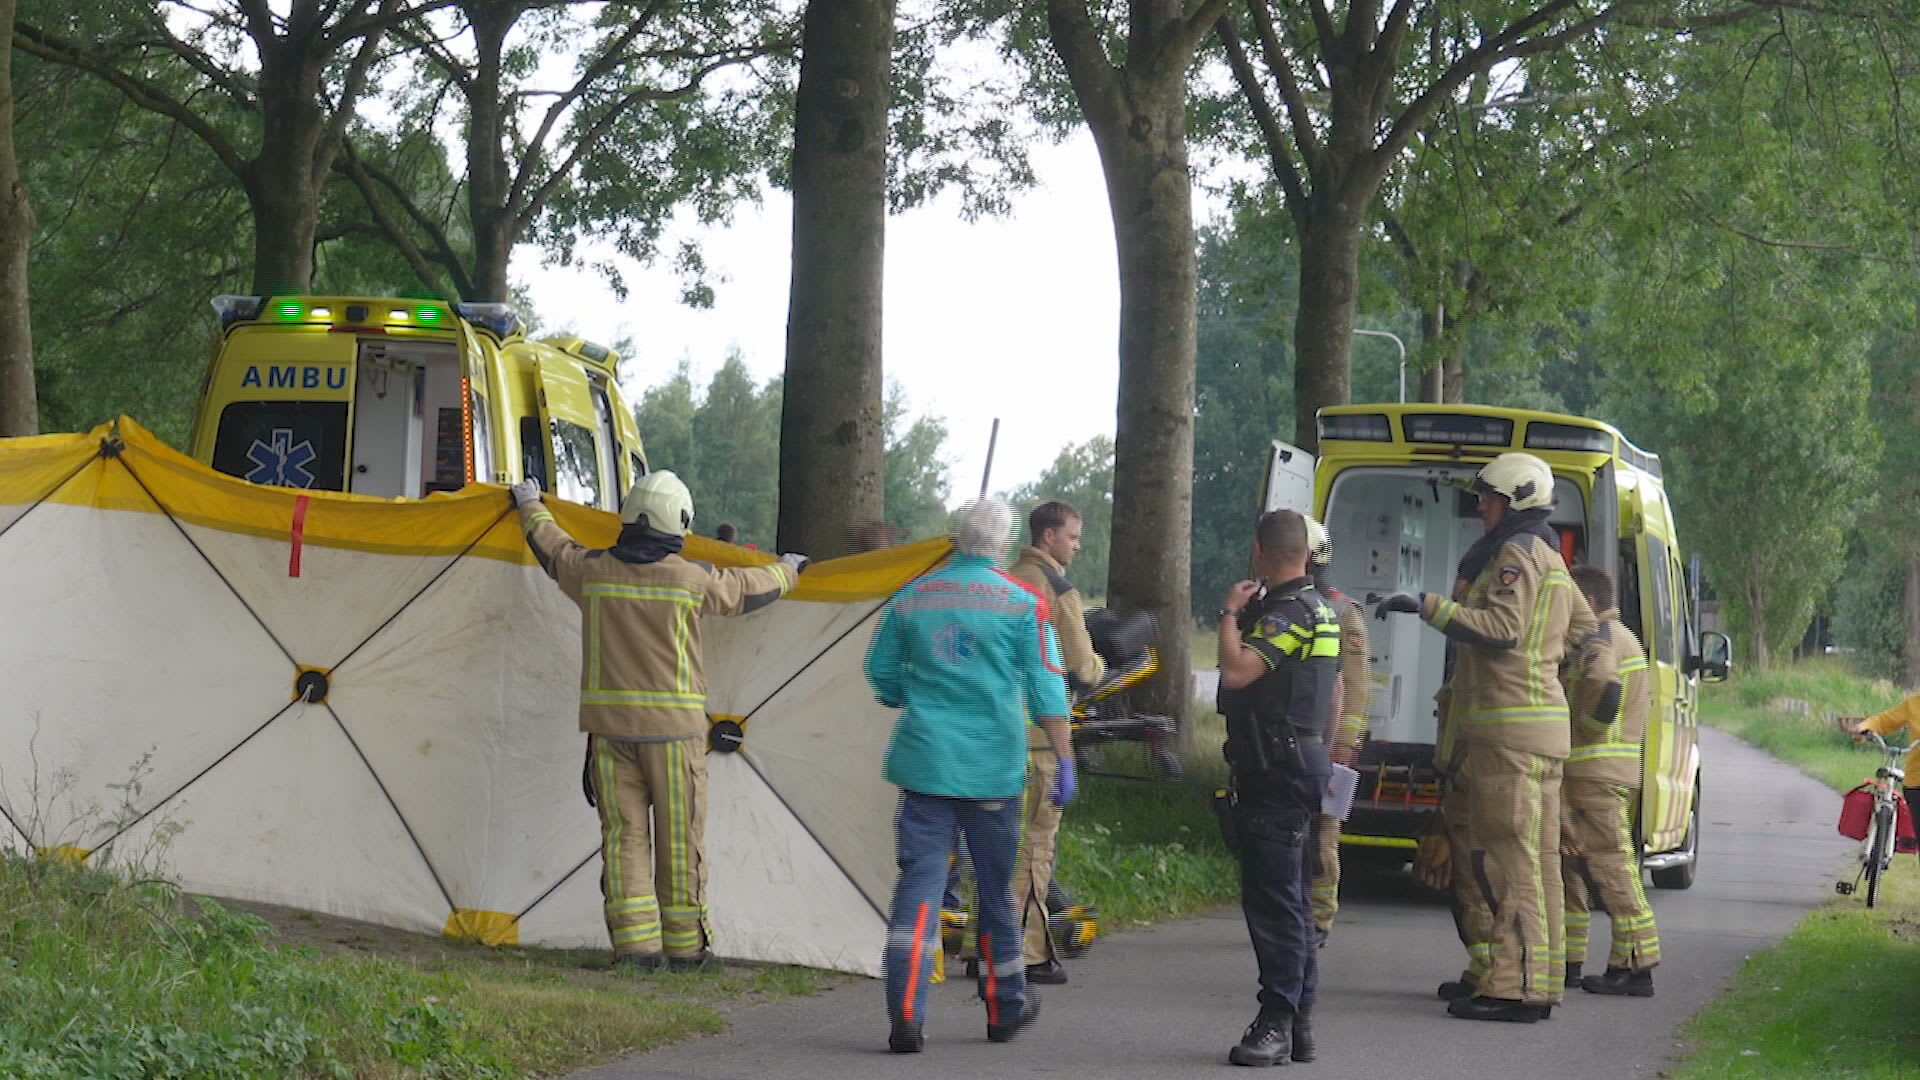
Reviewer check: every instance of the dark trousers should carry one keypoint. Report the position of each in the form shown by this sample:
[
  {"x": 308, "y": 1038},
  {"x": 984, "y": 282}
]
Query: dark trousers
[{"x": 1274, "y": 816}]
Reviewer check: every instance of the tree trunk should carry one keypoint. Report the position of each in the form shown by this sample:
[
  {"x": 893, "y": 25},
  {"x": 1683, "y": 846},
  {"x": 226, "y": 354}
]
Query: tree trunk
[
  {"x": 1431, "y": 388},
  {"x": 1453, "y": 372},
  {"x": 1323, "y": 328},
  {"x": 832, "y": 438},
  {"x": 1912, "y": 606},
  {"x": 282, "y": 189},
  {"x": 19, "y": 411},
  {"x": 488, "y": 185},
  {"x": 1150, "y": 193}
]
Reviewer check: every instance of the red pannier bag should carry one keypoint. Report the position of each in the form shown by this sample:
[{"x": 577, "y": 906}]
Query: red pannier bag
[
  {"x": 1856, "y": 817},
  {"x": 1856, "y": 812}
]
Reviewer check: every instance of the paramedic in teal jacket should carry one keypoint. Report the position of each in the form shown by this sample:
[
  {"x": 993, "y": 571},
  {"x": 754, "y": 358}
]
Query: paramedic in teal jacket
[{"x": 968, "y": 654}]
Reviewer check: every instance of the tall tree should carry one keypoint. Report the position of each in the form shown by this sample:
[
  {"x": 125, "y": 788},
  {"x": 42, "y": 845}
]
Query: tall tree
[
  {"x": 19, "y": 408},
  {"x": 1354, "y": 93},
  {"x": 832, "y": 431},
  {"x": 137, "y": 225},
  {"x": 1131, "y": 86},
  {"x": 310, "y": 62},
  {"x": 635, "y": 132}
]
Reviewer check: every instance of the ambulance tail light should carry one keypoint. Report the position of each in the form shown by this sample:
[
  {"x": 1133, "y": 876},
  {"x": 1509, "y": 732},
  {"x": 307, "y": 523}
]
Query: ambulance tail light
[
  {"x": 500, "y": 320},
  {"x": 1362, "y": 427},
  {"x": 232, "y": 309},
  {"x": 1545, "y": 436}
]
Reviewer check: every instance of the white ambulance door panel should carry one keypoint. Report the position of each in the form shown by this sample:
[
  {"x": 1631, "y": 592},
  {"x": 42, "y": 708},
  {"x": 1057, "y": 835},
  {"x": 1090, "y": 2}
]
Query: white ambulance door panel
[
  {"x": 386, "y": 424},
  {"x": 1289, "y": 484}
]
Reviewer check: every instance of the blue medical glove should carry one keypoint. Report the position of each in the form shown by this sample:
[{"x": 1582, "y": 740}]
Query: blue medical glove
[{"x": 1067, "y": 789}]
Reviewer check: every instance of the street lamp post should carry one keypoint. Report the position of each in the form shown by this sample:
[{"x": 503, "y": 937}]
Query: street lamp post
[{"x": 1395, "y": 338}]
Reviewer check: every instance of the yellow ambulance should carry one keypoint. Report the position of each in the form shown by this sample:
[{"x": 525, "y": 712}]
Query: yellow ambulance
[
  {"x": 394, "y": 397},
  {"x": 1392, "y": 485}
]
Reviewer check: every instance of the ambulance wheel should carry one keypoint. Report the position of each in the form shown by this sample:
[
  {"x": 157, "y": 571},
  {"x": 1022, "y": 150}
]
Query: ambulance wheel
[
  {"x": 1681, "y": 876},
  {"x": 1164, "y": 764}
]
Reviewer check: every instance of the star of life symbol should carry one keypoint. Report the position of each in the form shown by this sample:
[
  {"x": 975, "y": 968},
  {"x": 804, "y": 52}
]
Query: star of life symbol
[
  {"x": 955, "y": 645},
  {"x": 281, "y": 461}
]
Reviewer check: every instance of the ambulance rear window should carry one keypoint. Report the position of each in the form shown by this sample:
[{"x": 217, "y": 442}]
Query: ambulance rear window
[
  {"x": 300, "y": 444},
  {"x": 576, "y": 464}
]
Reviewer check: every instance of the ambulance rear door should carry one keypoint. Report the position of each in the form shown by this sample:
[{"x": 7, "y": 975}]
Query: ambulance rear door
[
  {"x": 1289, "y": 480},
  {"x": 567, "y": 412}
]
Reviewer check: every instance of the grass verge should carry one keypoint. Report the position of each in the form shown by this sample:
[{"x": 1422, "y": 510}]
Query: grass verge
[
  {"x": 1832, "y": 999},
  {"x": 105, "y": 974},
  {"x": 1145, "y": 851}
]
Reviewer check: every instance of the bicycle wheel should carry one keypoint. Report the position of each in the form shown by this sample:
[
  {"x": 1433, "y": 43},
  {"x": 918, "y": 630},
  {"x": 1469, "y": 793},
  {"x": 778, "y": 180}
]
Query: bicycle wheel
[{"x": 1883, "y": 820}]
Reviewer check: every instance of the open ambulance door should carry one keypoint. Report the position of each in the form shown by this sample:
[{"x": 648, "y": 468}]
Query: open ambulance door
[
  {"x": 566, "y": 415},
  {"x": 1288, "y": 484},
  {"x": 1289, "y": 480},
  {"x": 1603, "y": 523}
]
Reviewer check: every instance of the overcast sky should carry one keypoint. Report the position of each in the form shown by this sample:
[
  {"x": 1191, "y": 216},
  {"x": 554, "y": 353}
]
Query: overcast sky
[{"x": 1012, "y": 317}]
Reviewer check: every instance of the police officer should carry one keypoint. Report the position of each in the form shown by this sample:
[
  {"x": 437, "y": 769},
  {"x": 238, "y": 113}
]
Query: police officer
[
  {"x": 643, "y": 706},
  {"x": 1279, "y": 664},
  {"x": 1521, "y": 616},
  {"x": 1346, "y": 730}
]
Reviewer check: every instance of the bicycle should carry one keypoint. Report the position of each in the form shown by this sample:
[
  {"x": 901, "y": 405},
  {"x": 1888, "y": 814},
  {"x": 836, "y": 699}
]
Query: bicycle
[{"x": 1876, "y": 853}]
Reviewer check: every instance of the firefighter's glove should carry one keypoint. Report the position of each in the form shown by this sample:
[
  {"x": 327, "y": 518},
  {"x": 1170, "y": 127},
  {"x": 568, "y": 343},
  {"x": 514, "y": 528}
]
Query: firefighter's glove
[
  {"x": 798, "y": 563},
  {"x": 526, "y": 491},
  {"x": 1067, "y": 788},
  {"x": 1401, "y": 602}
]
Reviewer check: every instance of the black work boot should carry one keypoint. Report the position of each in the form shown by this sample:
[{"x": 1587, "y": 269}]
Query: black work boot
[
  {"x": 1573, "y": 975},
  {"x": 1620, "y": 982},
  {"x": 906, "y": 1037},
  {"x": 704, "y": 960},
  {"x": 1005, "y": 1032},
  {"x": 1456, "y": 990},
  {"x": 644, "y": 963},
  {"x": 1049, "y": 972},
  {"x": 1268, "y": 1041},
  {"x": 1303, "y": 1051},
  {"x": 1486, "y": 1008}
]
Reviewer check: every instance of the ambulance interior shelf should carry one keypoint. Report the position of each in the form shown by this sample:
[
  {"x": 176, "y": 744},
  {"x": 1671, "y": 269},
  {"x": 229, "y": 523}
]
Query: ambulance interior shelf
[{"x": 1405, "y": 530}]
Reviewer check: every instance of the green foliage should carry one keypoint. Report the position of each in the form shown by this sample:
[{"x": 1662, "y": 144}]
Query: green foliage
[
  {"x": 1831, "y": 999},
  {"x": 916, "y": 470},
  {"x": 1082, "y": 477},
  {"x": 1146, "y": 852},
  {"x": 725, "y": 443},
  {"x": 137, "y": 227},
  {"x": 1789, "y": 712},
  {"x": 109, "y": 977}
]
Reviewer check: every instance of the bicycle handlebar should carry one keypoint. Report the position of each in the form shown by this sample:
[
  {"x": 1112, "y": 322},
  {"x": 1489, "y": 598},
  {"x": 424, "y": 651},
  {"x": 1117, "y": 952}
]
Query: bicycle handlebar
[{"x": 1890, "y": 751}]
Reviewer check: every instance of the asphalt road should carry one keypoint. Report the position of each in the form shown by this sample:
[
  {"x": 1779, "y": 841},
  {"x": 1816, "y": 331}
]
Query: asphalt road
[{"x": 1168, "y": 1002}]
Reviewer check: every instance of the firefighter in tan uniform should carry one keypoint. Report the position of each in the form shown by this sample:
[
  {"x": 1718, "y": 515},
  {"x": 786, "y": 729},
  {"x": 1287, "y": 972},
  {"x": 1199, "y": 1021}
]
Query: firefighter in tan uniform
[
  {"x": 1053, "y": 531},
  {"x": 1346, "y": 730},
  {"x": 643, "y": 706},
  {"x": 1602, "y": 781},
  {"x": 1519, "y": 618},
  {"x": 1441, "y": 861}
]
